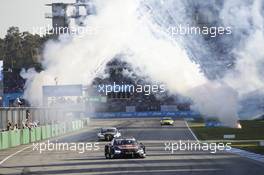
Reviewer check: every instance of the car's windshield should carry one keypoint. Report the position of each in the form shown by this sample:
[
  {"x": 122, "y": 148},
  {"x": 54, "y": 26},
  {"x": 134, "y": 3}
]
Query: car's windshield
[
  {"x": 103, "y": 130},
  {"x": 125, "y": 142}
]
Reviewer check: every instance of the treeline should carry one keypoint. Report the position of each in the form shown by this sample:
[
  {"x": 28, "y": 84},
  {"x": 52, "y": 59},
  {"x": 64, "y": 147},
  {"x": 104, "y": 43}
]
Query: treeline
[{"x": 21, "y": 49}]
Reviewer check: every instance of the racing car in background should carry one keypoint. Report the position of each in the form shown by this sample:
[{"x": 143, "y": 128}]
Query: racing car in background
[
  {"x": 166, "y": 121},
  {"x": 124, "y": 147},
  {"x": 108, "y": 134}
]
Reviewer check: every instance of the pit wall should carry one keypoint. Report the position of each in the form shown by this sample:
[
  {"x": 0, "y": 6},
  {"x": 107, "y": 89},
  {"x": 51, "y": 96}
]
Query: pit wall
[{"x": 13, "y": 138}]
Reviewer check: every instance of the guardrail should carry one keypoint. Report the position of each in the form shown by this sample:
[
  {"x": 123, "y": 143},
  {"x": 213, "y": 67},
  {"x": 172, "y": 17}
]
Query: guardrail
[{"x": 14, "y": 138}]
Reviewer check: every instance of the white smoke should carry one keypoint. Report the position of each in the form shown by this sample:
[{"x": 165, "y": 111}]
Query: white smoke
[
  {"x": 127, "y": 27},
  {"x": 216, "y": 99},
  {"x": 246, "y": 21},
  {"x": 121, "y": 30},
  {"x": 246, "y": 16}
]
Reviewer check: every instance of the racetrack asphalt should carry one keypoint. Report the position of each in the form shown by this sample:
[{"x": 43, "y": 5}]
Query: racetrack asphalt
[{"x": 145, "y": 130}]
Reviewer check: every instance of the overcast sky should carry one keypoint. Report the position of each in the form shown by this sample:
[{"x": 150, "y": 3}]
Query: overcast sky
[{"x": 24, "y": 14}]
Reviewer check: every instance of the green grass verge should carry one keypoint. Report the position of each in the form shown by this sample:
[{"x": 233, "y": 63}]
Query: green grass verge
[
  {"x": 250, "y": 146},
  {"x": 251, "y": 130}
]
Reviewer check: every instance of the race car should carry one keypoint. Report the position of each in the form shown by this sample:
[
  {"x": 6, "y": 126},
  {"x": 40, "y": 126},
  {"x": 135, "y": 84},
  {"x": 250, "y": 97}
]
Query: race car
[
  {"x": 124, "y": 147},
  {"x": 108, "y": 134},
  {"x": 166, "y": 121}
]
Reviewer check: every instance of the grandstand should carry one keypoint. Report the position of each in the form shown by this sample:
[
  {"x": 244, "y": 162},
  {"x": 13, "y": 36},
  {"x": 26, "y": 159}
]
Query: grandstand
[{"x": 120, "y": 101}]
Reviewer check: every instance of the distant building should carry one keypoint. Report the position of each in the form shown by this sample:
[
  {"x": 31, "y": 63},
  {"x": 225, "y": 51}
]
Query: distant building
[{"x": 63, "y": 13}]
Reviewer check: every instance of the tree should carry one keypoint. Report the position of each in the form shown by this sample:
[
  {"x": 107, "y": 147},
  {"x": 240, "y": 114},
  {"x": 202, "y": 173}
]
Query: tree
[
  {"x": 2, "y": 49},
  {"x": 12, "y": 47},
  {"x": 22, "y": 50}
]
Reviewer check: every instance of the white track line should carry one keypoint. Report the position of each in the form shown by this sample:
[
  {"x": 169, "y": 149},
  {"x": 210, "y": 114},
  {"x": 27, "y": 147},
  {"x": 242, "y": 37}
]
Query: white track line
[
  {"x": 194, "y": 136},
  {"x": 11, "y": 155},
  {"x": 247, "y": 154}
]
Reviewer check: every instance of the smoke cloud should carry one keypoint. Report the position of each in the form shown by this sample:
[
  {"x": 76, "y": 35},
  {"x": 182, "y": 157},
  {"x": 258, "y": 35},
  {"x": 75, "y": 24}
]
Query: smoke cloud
[
  {"x": 138, "y": 29},
  {"x": 248, "y": 23}
]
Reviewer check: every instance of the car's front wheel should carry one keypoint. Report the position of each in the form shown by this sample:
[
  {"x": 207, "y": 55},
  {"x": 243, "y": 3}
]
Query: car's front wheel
[
  {"x": 107, "y": 156},
  {"x": 142, "y": 156}
]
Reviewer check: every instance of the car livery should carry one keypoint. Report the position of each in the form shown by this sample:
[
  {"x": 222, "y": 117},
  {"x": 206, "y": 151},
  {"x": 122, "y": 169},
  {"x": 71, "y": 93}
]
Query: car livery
[
  {"x": 166, "y": 121},
  {"x": 124, "y": 147}
]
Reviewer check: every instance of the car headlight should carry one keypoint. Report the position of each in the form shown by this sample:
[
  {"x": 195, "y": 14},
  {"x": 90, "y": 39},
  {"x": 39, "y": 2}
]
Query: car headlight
[
  {"x": 140, "y": 151},
  {"x": 117, "y": 151},
  {"x": 100, "y": 135},
  {"x": 117, "y": 135}
]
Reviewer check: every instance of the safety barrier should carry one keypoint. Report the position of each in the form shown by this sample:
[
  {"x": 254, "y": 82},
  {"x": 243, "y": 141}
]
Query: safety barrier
[
  {"x": 48, "y": 131},
  {"x": 32, "y": 134},
  {"x": 14, "y": 138},
  {"x": 5, "y": 140},
  {"x": 43, "y": 132},
  {"x": 25, "y": 136},
  {"x": 175, "y": 114}
]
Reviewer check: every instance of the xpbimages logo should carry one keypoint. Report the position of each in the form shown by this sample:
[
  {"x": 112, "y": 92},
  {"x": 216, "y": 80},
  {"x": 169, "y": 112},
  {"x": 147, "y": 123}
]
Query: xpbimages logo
[
  {"x": 80, "y": 147},
  {"x": 138, "y": 88},
  {"x": 189, "y": 145}
]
